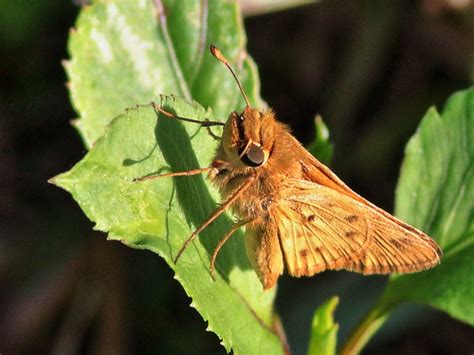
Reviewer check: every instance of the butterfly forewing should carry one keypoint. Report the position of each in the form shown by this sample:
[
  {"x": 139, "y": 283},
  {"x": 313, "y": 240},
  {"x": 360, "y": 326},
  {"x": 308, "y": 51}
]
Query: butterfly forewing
[{"x": 396, "y": 249}]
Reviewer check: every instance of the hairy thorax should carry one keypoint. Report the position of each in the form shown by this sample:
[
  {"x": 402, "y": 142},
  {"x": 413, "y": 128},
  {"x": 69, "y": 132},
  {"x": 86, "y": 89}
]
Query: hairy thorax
[{"x": 266, "y": 186}]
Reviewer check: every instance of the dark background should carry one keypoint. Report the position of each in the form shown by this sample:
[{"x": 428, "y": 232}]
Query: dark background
[{"x": 371, "y": 68}]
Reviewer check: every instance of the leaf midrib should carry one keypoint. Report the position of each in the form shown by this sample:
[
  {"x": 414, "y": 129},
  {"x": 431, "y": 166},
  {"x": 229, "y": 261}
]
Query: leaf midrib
[{"x": 162, "y": 19}]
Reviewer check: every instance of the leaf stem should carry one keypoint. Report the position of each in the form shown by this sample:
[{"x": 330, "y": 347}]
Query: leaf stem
[{"x": 367, "y": 328}]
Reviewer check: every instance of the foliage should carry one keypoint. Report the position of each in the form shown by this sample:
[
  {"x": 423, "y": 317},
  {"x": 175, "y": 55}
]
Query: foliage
[
  {"x": 436, "y": 194},
  {"x": 324, "y": 330},
  {"x": 129, "y": 53},
  {"x": 321, "y": 146}
]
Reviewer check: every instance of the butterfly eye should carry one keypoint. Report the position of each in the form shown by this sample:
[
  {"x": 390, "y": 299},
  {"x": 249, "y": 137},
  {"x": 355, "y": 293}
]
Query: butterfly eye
[{"x": 253, "y": 155}]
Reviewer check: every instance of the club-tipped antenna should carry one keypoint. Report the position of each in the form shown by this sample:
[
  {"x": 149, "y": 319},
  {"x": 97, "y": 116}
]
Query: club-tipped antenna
[{"x": 218, "y": 54}]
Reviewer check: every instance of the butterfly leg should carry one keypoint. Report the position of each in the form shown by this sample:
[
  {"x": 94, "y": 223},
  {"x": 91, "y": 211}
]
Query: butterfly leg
[
  {"x": 177, "y": 173},
  {"x": 221, "y": 243},
  {"x": 212, "y": 134},
  {"x": 217, "y": 212}
]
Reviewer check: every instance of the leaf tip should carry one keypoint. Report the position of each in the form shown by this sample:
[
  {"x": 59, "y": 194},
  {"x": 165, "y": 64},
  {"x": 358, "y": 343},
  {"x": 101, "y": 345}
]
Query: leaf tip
[
  {"x": 74, "y": 123},
  {"x": 52, "y": 180},
  {"x": 58, "y": 180},
  {"x": 65, "y": 63},
  {"x": 333, "y": 302}
]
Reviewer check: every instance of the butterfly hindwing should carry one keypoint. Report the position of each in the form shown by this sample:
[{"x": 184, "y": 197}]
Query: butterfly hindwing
[{"x": 264, "y": 251}]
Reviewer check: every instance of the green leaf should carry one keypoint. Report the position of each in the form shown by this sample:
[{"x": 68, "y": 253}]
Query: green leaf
[
  {"x": 436, "y": 193},
  {"x": 125, "y": 53},
  {"x": 128, "y": 53},
  {"x": 323, "y": 339},
  {"x": 160, "y": 214},
  {"x": 321, "y": 146}
]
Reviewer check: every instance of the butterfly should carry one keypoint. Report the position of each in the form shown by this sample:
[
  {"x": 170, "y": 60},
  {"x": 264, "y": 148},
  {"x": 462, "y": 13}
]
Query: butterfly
[{"x": 297, "y": 214}]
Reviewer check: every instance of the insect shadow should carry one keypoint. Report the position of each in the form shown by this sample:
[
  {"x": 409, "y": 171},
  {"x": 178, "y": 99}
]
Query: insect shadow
[
  {"x": 130, "y": 162},
  {"x": 195, "y": 199}
]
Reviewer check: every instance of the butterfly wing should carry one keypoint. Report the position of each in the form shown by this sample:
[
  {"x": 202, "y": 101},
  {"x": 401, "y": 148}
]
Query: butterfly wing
[
  {"x": 264, "y": 251},
  {"x": 396, "y": 247},
  {"x": 321, "y": 229}
]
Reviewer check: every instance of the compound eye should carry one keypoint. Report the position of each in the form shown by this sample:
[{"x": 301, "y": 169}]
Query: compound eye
[{"x": 253, "y": 155}]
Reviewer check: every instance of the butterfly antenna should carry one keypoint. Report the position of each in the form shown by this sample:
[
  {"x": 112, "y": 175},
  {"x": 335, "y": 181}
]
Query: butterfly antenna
[{"x": 218, "y": 54}]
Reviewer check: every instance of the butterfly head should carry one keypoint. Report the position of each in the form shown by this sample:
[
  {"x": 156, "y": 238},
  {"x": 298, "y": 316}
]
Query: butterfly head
[{"x": 248, "y": 138}]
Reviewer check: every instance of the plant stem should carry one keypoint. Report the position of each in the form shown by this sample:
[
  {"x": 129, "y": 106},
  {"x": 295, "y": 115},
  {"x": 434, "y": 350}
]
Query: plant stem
[{"x": 367, "y": 328}]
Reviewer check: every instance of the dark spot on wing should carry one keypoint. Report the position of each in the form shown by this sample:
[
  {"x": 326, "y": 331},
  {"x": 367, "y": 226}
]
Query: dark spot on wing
[
  {"x": 407, "y": 240},
  {"x": 396, "y": 243},
  {"x": 350, "y": 234},
  {"x": 311, "y": 218},
  {"x": 304, "y": 253},
  {"x": 399, "y": 244},
  {"x": 351, "y": 218}
]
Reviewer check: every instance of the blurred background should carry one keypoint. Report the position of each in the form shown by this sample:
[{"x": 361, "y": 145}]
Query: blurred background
[{"x": 370, "y": 68}]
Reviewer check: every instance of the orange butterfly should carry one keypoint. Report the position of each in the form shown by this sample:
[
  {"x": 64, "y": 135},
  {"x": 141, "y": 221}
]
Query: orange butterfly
[{"x": 297, "y": 213}]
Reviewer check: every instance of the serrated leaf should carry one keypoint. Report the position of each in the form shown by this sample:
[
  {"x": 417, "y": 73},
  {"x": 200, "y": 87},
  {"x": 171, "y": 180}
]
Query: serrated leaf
[
  {"x": 160, "y": 214},
  {"x": 323, "y": 338},
  {"x": 321, "y": 146},
  {"x": 436, "y": 193},
  {"x": 125, "y": 53}
]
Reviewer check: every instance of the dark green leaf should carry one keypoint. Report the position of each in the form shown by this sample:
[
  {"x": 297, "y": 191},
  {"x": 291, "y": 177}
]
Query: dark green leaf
[{"x": 436, "y": 193}]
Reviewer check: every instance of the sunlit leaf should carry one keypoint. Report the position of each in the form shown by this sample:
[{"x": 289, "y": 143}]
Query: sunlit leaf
[
  {"x": 128, "y": 53},
  {"x": 321, "y": 146},
  {"x": 323, "y": 339},
  {"x": 160, "y": 214}
]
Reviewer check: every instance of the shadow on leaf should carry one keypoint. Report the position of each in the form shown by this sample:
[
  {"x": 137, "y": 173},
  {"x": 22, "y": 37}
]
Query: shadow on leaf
[
  {"x": 131, "y": 162},
  {"x": 195, "y": 199}
]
